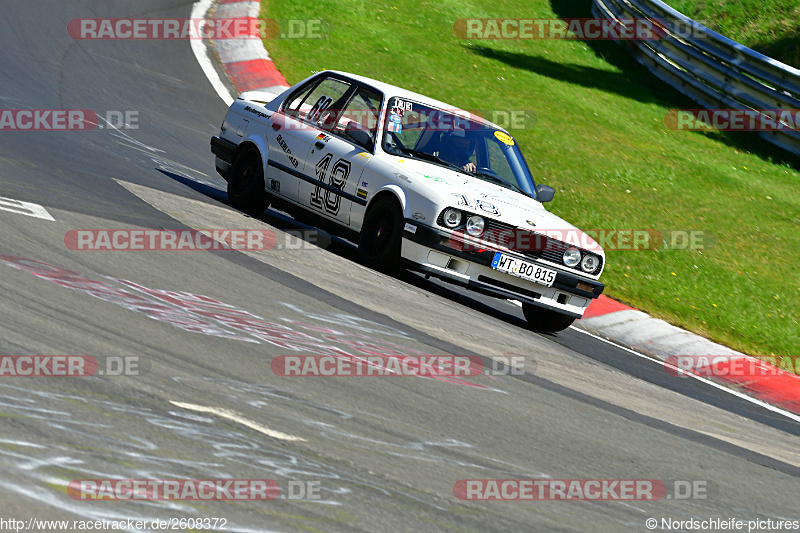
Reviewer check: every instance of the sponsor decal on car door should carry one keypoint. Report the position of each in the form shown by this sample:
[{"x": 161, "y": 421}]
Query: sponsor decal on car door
[{"x": 289, "y": 141}]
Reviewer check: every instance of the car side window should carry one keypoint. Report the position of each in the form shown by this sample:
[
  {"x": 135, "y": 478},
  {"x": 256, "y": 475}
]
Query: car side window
[
  {"x": 311, "y": 102},
  {"x": 321, "y": 99},
  {"x": 294, "y": 103},
  {"x": 358, "y": 122}
]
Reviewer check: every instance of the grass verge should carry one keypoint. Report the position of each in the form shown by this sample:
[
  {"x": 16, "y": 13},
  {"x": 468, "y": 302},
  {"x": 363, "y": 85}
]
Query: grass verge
[
  {"x": 600, "y": 139},
  {"x": 771, "y": 27}
]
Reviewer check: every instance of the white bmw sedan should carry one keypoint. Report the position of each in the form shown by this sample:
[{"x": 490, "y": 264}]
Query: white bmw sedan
[{"x": 415, "y": 183}]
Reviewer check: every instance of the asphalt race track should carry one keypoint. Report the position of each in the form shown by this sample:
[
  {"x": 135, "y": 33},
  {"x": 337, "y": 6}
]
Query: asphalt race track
[{"x": 349, "y": 454}]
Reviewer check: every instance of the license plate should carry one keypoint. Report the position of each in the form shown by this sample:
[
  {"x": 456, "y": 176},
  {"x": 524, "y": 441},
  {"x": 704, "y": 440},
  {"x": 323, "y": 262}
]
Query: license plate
[{"x": 523, "y": 269}]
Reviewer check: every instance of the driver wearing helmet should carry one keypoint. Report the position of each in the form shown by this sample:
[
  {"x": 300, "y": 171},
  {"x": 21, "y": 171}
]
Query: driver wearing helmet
[{"x": 458, "y": 148}]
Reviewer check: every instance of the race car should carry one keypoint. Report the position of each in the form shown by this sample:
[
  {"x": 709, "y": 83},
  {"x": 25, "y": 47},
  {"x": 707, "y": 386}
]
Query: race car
[{"x": 413, "y": 182}]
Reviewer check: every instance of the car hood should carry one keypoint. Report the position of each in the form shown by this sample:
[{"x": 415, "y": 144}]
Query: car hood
[{"x": 493, "y": 201}]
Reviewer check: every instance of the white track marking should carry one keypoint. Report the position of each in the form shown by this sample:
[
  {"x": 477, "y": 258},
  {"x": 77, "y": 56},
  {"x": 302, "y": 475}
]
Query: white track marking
[
  {"x": 736, "y": 393},
  {"x": 199, "y": 10},
  {"x": 239, "y": 419},
  {"x": 25, "y": 208}
]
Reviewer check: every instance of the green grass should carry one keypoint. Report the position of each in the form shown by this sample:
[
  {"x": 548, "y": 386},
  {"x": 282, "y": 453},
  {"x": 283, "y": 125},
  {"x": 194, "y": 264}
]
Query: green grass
[
  {"x": 770, "y": 26},
  {"x": 600, "y": 139}
]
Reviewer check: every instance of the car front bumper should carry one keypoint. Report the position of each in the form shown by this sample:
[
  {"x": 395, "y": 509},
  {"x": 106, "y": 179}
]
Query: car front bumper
[{"x": 431, "y": 251}]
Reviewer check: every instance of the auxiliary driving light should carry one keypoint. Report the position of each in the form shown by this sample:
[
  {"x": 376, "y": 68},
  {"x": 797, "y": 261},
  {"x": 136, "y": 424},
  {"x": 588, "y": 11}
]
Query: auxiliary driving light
[
  {"x": 475, "y": 225},
  {"x": 452, "y": 217},
  {"x": 572, "y": 257}
]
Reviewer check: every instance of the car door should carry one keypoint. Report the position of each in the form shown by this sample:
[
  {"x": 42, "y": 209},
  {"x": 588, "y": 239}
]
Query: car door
[
  {"x": 340, "y": 152},
  {"x": 293, "y": 131}
]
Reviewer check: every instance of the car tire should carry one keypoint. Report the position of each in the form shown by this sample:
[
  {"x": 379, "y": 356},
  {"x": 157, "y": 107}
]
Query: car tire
[
  {"x": 379, "y": 241},
  {"x": 541, "y": 319},
  {"x": 246, "y": 190}
]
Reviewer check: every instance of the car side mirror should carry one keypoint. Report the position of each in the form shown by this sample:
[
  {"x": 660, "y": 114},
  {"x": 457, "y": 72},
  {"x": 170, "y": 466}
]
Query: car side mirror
[{"x": 545, "y": 193}]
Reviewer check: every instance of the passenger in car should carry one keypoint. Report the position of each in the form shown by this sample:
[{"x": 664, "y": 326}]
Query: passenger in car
[{"x": 458, "y": 149}]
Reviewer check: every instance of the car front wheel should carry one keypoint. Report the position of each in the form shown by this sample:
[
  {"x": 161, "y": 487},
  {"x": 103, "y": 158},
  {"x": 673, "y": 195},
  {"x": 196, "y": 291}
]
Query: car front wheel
[
  {"x": 379, "y": 242},
  {"x": 540, "y": 319},
  {"x": 246, "y": 189}
]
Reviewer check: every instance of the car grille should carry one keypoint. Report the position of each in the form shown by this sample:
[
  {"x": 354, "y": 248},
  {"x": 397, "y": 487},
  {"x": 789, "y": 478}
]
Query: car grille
[
  {"x": 542, "y": 243},
  {"x": 544, "y": 248},
  {"x": 555, "y": 251},
  {"x": 547, "y": 249}
]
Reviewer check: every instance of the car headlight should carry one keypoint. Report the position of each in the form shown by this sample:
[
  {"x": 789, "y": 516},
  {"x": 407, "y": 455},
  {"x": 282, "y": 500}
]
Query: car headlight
[
  {"x": 572, "y": 256},
  {"x": 475, "y": 225},
  {"x": 590, "y": 263},
  {"x": 451, "y": 217}
]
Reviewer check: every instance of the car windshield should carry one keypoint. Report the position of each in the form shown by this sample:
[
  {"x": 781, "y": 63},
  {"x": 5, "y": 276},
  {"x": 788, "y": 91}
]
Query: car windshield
[{"x": 454, "y": 140}]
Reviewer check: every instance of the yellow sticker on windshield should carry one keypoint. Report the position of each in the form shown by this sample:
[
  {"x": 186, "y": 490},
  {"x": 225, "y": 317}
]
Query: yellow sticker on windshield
[{"x": 504, "y": 138}]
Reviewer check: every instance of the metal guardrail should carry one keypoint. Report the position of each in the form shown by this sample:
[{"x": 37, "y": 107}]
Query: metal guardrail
[{"x": 711, "y": 69}]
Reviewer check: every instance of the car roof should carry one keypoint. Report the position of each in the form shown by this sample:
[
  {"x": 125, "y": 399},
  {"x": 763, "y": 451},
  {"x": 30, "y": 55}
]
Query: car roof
[{"x": 393, "y": 90}]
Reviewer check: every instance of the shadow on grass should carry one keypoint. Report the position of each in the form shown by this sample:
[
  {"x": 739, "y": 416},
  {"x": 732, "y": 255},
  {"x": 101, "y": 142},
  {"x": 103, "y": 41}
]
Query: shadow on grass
[
  {"x": 786, "y": 49},
  {"x": 634, "y": 80},
  {"x": 630, "y": 84}
]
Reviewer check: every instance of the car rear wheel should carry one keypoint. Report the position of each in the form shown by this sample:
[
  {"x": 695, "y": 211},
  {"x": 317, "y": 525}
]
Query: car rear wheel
[
  {"x": 246, "y": 190},
  {"x": 541, "y": 319},
  {"x": 379, "y": 242}
]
